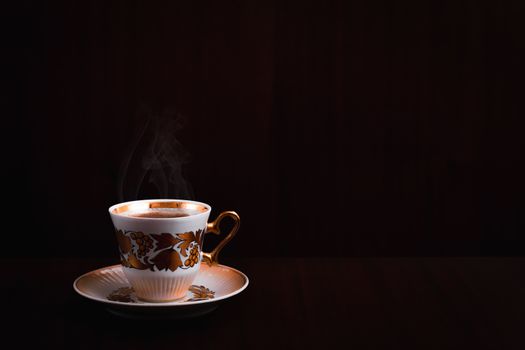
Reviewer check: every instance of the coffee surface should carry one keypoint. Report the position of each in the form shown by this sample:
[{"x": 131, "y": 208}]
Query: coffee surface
[{"x": 162, "y": 213}]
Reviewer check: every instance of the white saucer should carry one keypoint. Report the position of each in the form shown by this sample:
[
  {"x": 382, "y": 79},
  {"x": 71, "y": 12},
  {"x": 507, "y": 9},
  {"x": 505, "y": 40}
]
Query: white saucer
[{"x": 212, "y": 285}]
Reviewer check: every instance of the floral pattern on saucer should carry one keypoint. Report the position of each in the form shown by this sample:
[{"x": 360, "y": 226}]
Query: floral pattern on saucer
[{"x": 127, "y": 294}]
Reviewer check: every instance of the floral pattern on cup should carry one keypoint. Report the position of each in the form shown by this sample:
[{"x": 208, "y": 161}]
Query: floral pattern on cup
[{"x": 158, "y": 252}]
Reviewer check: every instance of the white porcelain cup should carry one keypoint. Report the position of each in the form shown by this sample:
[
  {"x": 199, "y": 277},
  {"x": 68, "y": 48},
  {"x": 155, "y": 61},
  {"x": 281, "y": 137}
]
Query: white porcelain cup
[{"x": 161, "y": 255}]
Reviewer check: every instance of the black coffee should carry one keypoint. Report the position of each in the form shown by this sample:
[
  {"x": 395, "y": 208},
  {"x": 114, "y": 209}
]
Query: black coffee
[{"x": 161, "y": 213}]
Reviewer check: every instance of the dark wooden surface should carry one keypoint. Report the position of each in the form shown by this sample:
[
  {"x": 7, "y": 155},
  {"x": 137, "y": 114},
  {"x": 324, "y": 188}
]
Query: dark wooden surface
[{"x": 365, "y": 303}]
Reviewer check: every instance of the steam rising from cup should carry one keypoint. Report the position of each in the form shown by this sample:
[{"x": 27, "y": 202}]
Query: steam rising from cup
[{"x": 156, "y": 160}]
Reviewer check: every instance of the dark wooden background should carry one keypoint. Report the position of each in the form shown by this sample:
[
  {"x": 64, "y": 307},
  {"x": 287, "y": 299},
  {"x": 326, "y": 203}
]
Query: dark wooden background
[{"x": 334, "y": 128}]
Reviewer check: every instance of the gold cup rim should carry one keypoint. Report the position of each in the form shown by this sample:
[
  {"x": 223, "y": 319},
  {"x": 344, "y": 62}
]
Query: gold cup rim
[{"x": 120, "y": 208}]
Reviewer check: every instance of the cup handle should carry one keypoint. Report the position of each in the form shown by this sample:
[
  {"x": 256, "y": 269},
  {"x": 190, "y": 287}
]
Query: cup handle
[{"x": 212, "y": 258}]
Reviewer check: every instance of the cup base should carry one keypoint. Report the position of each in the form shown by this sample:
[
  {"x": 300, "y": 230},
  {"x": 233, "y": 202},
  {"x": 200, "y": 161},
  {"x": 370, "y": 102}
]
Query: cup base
[
  {"x": 159, "y": 300},
  {"x": 161, "y": 286}
]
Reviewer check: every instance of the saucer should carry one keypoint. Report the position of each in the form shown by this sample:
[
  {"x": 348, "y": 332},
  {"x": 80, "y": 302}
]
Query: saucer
[{"x": 212, "y": 285}]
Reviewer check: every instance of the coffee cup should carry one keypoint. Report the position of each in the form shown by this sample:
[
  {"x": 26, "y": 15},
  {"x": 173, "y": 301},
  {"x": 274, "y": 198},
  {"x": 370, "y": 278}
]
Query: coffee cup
[{"x": 160, "y": 244}]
